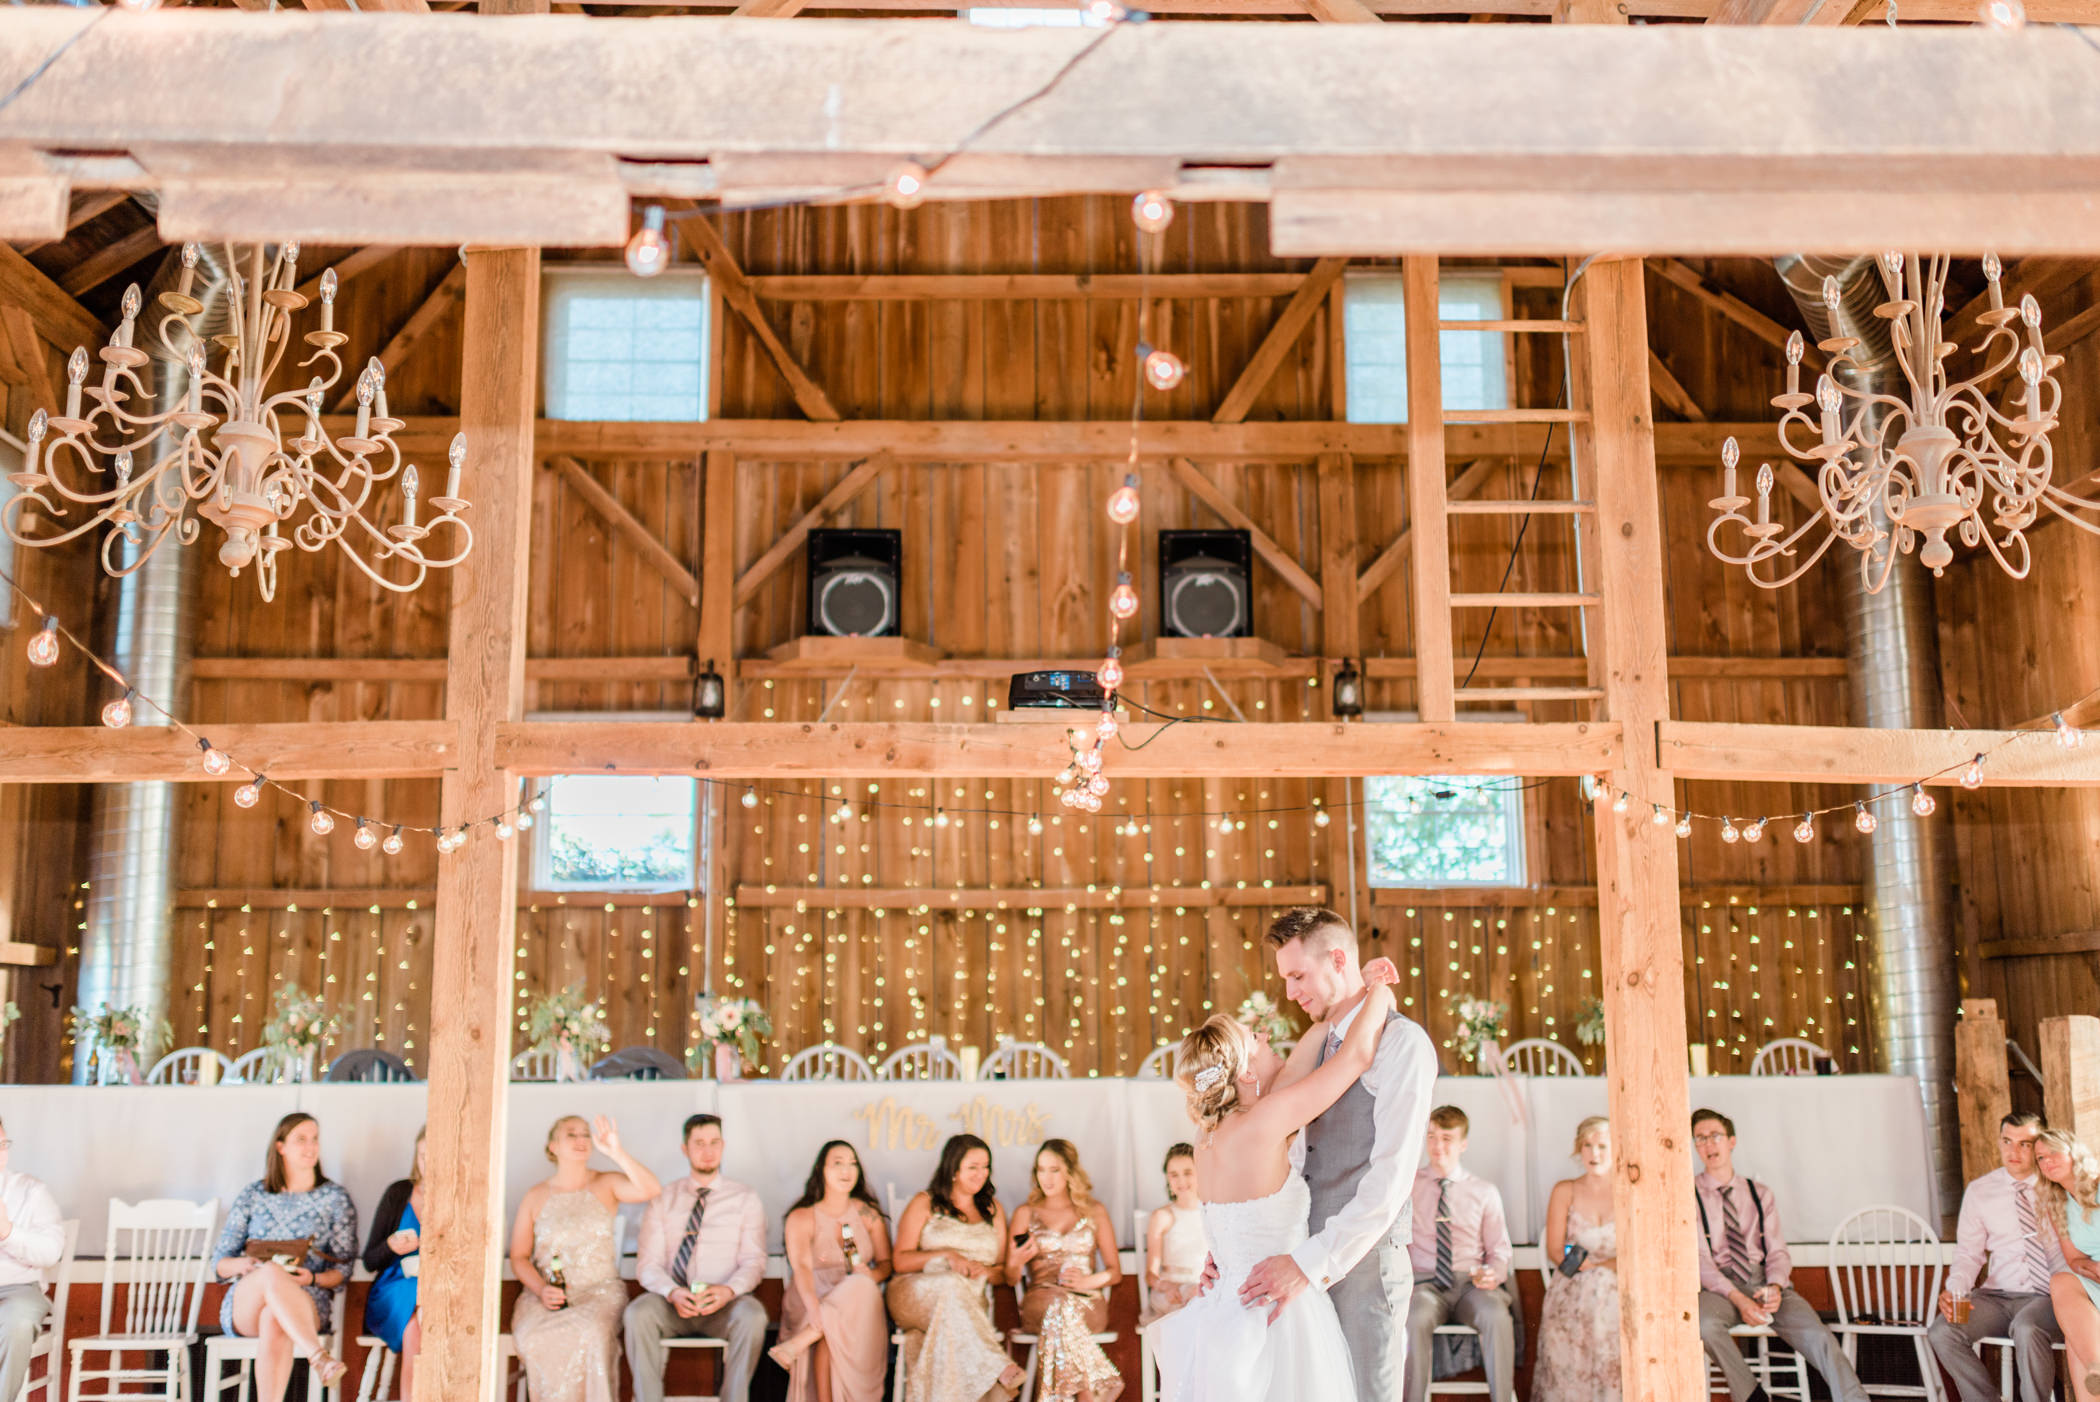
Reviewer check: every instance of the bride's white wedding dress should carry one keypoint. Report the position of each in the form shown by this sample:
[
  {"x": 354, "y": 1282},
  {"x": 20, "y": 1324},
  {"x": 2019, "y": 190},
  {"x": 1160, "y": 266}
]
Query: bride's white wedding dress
[{"x": 1217, "y": 1350}]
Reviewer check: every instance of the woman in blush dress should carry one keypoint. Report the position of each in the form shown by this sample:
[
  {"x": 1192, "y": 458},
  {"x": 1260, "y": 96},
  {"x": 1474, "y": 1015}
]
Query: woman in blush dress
[
  {"x": 1578, "y": 1358},
  {"x": 2071, "y": 1197},
  {"x": 951, "y": 1244},
  {"x": 393, "y": 1254},
  {"x": 568, "y": 1334},
  {"x": 834, "y": 1332},
  {"x": 1174, "y": 1246},
  {"x": 1069, "y": 1260}
]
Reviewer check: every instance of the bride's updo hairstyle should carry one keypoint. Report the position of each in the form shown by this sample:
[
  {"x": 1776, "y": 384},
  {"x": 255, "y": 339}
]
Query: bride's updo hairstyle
[{"x": 1208, "y": 1067}]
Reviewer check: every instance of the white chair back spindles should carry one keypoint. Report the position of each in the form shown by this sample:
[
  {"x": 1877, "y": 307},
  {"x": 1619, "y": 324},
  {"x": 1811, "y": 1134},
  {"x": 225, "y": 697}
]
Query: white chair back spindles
[
  {"x": 1023, "y": 1061},
  {"x": 185, "y": 1067},
  {"x": 1787, "y": 1056},
  {"x": 929, "y": 1060},
  {"x": 50, "y": 1341},
  {"x": 159, "y": 1249},
  {"x": 262, "y": 1067},
  {"x": 533, "y": 1066},
  {"x": 827, "y": 1061},
  {"x": 1885, "y": 1267},
  {"x": 1536, "y": 1056},
  {"x": 1158, "y": 1064}
]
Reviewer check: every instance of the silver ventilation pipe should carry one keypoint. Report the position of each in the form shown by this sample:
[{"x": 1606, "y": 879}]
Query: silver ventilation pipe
[
  {"x": 127, "y": 949},
  {"x": 1892, "y": 646}
]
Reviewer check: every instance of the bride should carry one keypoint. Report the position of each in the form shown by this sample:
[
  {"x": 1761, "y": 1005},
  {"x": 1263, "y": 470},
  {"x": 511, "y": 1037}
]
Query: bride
[{"x": 1255, "y": 1205}]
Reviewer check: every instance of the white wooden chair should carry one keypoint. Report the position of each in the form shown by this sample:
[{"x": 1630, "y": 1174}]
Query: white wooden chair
[
  {"x": 242, "y": 1351},
  {"x": 827, "y": 1061},
  {"x": 1158, "y": 1064},
  {"x": 261, "y": 1067},
  {"x": 1885, "y": 1271},
  {"x": 2005, "y": 1347},
  {"x": 1768, "y": 1363},
  {"x": 1148, "y": 1365},
  {"x": 1456, "y": 1387},
  {"x": 1023, "y": 1061},
  {"x": 1537, "y": 1056},
  {"x": 185, "y": 1067},
  {"x": 1787, "y": 1056},
  {"x": 533, "y": 1066},
  {"x": 50, "y": 1341},
  {"x": 929, "y": 1060},
  {"x": 157, "y": 1251}
]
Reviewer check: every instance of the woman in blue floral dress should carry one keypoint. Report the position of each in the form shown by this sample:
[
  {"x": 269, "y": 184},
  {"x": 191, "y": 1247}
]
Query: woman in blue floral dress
[{"x": 286, "y": 1301}]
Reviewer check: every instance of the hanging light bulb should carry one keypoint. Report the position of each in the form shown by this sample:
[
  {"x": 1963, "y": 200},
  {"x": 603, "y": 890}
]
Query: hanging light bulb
[
  {"x": 1123, "y": 599},
  {"x": 445, "y": 844},
  {"x": 1110, "y": 673},
  {"x": 1123, "y": 501},
  {"x": 537, "y": 803},
  {"x": 250, "y": 793},
  {"x": 1805, "y": 830},
  {"x": 524, "y": 820},
  {"x": 1863, "y": 818},
  {"x": 43, "y": 644},
  {"x": 1972, "y": 777},
  {"x": 1728, "y": 830},
  {"x": 1620, "y": 801},
  {"x": 215, "y": 761},
  {"x": 1163, "y": 369},
  {"x": 906, "y": 187},
  {"x": 1754, "y": 832},
  {"x": 2006, "y": 16},
  {"x": 750, "y": 798},
  {"x": 1684, "y": 825},
  {"x": 138, "y": 7},
  {"x": 940, "y": 817},
  {"x": 1321, "y": 817},
  {"x": 1035, "y": 825},
  {"x": 1152, "y": 211},
  {"x": 322, "y": 821},
  {"x": 1098, "y": 785},
  {"x": 504, "y": 831},
  {"x": 117, "y": 714},
  {"x": 649, "y": 251},
  {"x": 1661, "y": 819},
  {"x": 1588, "y": 784},
  {"x": 364, "y": 838},
  {"x": 392, "y": 845},
  {"x": 1921, "y": 802},
  {"x": 2067, "y": 735}
]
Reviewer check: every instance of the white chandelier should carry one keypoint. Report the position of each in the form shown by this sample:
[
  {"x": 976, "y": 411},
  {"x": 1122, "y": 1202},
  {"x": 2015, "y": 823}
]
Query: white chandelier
[
  {"x": 1895, "y": 474},
  {"x": 248, "y": 480}
]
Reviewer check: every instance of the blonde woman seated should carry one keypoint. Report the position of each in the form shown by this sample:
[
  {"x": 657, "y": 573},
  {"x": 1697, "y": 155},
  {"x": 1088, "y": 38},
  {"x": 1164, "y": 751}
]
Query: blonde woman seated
[
  {"x": 1174, "y": 1246},
  {"x": 565, "y": 1250},
  {"x": 2071, "y": 1197},
  {"x": 1069, "y": 1261},
  {"x": 951, "y": 1244},
  {"x": 1256, "y": 1205},
  {"x": 1578, "y": 1359},
  {"x": 834, "y": 1333}
]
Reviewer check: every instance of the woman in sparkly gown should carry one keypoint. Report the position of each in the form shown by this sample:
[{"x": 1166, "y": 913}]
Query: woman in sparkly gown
[
  {"x": 1579, "y": 1330},
  {"x": 1069, "y": 1261},
  {"x": 834, "y": 1334},
  {"x": 951, "y": 1246},
  {"x": 568, "y": 1336}
]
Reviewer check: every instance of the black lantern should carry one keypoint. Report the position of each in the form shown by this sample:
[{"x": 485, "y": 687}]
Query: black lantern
[
  {"x": 710, "y": 696},
  {"x": 1347, "y": 698}
]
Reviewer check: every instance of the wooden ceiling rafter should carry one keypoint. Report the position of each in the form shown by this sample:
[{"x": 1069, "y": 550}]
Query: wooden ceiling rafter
[
  {"x": 429, "y": 313},
  {"x": 729, "y": 282},
  {"x": 1275, "y": 556},
  {"x": 600, "y": 499},
  {"x": 58, "y": 315}
]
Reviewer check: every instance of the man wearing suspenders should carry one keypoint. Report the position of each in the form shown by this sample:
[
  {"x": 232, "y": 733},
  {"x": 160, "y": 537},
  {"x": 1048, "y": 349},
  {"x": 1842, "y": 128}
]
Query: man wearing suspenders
[{"x": 1745, "y": 1269}]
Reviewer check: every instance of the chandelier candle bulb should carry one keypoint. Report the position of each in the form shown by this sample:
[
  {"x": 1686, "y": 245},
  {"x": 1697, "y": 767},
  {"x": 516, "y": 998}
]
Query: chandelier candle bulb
[
  {"x": 76, "y": 376},
  {"x": 329, "y": 283},
  {"x": 455, "y": 460}
]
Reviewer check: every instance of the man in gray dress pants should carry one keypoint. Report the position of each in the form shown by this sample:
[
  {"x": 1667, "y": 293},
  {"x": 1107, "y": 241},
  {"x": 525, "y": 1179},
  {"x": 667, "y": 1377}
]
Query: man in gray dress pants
[{"x": 1359, "y": 1161}]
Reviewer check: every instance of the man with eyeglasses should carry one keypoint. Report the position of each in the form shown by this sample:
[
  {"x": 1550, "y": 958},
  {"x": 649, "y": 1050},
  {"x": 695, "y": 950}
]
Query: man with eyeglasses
[
  {"x": 31, "y": 1239},
  {"x": 2001, "y": 1221},
  {"x": 1745, "y": 1271}
]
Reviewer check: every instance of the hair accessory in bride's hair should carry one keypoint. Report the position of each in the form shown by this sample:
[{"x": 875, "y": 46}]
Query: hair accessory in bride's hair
[{"x": 1207, "y": 1078}]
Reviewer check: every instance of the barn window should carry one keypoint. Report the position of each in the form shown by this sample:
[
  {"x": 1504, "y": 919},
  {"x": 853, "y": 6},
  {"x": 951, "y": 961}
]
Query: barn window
[
  {"x": 1445, "y": 830},
  {"x": 1374, "y": 341},
  {"x": 616, "y": 832},
  {"x": 621, "y": 348}
]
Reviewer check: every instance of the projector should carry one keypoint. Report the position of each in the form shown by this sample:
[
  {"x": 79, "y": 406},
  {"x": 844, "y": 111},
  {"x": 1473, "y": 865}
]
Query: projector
[{"x": 1069, "y": 691}]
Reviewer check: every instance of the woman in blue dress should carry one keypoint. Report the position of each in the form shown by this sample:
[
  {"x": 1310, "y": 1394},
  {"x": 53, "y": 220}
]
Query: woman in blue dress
[
  {"x": 284, "y": 1298},
  {"x": 2071, "y": 1196},
  {"x": 392, "y": 1254}
]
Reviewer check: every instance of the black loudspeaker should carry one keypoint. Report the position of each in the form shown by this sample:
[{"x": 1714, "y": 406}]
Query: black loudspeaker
[
  {"x": 1205, "y": 584},
  {"x": 854, "y": 582}
]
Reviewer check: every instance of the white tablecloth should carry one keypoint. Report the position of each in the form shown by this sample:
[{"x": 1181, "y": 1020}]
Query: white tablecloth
[{"x": 92, "y": 1144}]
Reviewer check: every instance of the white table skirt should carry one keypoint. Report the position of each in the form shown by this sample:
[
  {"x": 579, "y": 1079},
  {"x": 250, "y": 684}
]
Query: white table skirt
[{"x": 94, "y": 1144}]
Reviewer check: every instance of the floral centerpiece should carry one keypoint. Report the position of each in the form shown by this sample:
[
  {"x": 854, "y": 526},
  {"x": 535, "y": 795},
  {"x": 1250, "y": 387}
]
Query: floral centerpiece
[
  {"x": 570, "y": 1025},
  {"x": 299, "y": 1023},
  {"x": 1589, "y": 1028},
  {"x": 123, "y": 1035},
  {"x": 1263, "y": 1016},
  {"x": 1480, "y": 1024},
  {"x": 730, "y": 1029}
]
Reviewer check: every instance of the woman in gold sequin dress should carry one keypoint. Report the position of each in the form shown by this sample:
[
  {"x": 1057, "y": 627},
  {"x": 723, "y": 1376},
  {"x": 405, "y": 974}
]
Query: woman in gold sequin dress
[
  {"x": 568, "y": 1335},
  {"x": 1069, "y": 1261},
  {"x": 951, "y": 1246}
]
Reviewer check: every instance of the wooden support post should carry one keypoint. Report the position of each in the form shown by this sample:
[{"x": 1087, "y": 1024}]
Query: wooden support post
[
  {"x": 1268, "y": 356},
  {"x": 477, "y": 903},
  {"x": 1339, "y": 619},
  {"x": 717, "y": 641},
  {"x": 2071, "y": 1074},
  {"x": 1982, "y": 1084},
  {"x": 1434, "y": 679},
  {"x": 1643, "y": 948}
]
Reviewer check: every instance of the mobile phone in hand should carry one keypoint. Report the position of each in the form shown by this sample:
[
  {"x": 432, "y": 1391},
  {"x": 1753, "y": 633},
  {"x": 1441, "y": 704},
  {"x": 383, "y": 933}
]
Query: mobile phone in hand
[{"x": 1571, "y": 1261}]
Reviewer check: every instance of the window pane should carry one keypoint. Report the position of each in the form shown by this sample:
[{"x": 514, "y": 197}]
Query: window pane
[
  {"x": 1374, "y": 338},
  {"x": 1445, "y": 831},
  {"x": 623, "y": 349},
  {"x": 617, "y": 832}
]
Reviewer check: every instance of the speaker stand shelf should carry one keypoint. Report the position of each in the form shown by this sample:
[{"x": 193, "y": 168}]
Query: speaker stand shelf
[
  {"x": 1199, "y": 651},
  {"x": 825, "y": 654}
]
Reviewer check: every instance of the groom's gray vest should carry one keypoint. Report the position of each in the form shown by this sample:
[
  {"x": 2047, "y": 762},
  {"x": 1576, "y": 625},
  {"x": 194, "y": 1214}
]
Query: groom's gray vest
[{"x": 1338, "y": 1148}]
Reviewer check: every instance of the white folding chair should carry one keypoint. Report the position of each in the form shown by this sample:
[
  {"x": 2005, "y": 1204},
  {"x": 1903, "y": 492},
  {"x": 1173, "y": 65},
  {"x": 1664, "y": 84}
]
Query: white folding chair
[
  {"x": 50, "y": 1341},
  {"x": 1787, "y": 1056},
  {"x": 1768, "y": 1363},
  {"x": 929, "y": 1060},
  {"x": 1023, "y": 1061},
  {"x": 1158, "y": 1064},
  {"x": 261, "y": 1067},
  {"x": 2005, "y": 1347},
  {"x": 186, "y": 1067},
  {"x": 375, "y": 1383},
  {"x": 242, "y": 1351},
  {"x": 533, "y": 1066},
  {"x": 1885, "y": 1271},
  {"x": 157, "y": 1251},
  {"x": 1536, "y": 1056},
  {"x": 827, "y": 1061},
  {"x": 1148, "y": 1366}
]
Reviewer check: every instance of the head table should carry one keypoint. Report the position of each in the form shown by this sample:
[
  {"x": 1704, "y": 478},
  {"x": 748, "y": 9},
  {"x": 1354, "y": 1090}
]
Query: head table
[{"x": 91, "y": 1144}]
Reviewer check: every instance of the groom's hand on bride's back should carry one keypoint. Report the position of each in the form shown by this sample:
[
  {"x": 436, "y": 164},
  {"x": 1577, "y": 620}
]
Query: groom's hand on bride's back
[
  {"x": 1210, "y": 1275},
  {"x": 1272, "y": 1284}
]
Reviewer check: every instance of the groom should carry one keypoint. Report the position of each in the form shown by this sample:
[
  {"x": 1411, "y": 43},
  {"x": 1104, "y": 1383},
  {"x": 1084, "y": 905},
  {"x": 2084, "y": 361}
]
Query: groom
[{"x": 1359, "y": 1160}]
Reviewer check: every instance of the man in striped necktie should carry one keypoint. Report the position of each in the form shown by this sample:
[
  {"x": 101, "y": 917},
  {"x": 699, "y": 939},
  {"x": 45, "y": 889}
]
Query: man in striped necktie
[
  {"x": 2001, "y": 1221},
  {"x": 1461, "y": 1256}
]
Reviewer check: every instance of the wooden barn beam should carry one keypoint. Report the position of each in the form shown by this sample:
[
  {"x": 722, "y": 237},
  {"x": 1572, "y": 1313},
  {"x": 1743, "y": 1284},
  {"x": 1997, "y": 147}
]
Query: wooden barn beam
[
  {"x": 596, "y": 496},
  {"x": 59, "y": 318},
  {"x": 1835, "y": 754},
  {"x": 1341, "y": 631},
  {"x": 1670, "y": 392},
  {"x": 721, "y": 265},
  {"x": 1284, "y": 334},
  {"x": 1017, "y": 287},
  {"x": 1463, "y": 487},
  {"x": 782, "y": 550},
  {"x": 1215, "y": 897},
  {"x": 1228, "y": 511},
  {"x": 26, "y": 349},
  {"x": 1435, "y": 688},
  {"x": 1731, "y": 307},
  {"x": 427, "y": 316},
  {"x": 109, "y": 260},
  {"x": 349, "y": 266},
  {"x": 95, "y": 754}
]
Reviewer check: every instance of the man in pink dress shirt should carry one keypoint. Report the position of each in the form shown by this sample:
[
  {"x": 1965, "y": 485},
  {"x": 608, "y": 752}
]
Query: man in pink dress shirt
[
  {"x": 31, "y": 1239},
  {"x": 1746, "y": 1272},
  {"x": 1461, "y": 1254},
  {"x": 2001, "y": 1220},
  {"x": 703, "y": 1252}
]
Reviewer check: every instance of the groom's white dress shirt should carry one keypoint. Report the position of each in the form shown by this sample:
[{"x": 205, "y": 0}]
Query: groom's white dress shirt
[{"x": 1402, "y": 1079}]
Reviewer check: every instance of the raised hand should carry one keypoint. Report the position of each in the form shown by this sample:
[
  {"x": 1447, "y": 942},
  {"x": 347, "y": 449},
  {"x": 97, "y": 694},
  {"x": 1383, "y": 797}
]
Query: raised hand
[
  {"x": 1380, "y": 971},
  {"x": 605, "y": 1136}
]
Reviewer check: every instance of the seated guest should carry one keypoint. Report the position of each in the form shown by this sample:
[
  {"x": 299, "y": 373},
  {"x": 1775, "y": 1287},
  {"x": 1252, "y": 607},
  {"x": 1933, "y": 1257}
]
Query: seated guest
[
  {"x": 1461, "y": 1254},
  {"x": 1579, "y": 1329},
  {"x": 703, "y": 1252},
  {"x": 2001, "y": 1219},
  {"x": 31, "y": 1239},
  {"x": 834, "y": 1332},
  {"x": 951, "y": 1243},
  {"x": 1174, "y": 1246},
  {"x": 2071, "y": 1195},
  {"x": 1070, "y": 1262},
  {"x": 287, "y": 1244},
  {"x": 393, "y": 1253},
  {"x": 565, "y": 1251},
  {"x": 1745, "y": 1271}
]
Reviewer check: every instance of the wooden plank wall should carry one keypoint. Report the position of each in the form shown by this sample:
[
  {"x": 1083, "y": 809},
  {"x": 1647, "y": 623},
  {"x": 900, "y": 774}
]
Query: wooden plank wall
[{"x": 1009, "y": 560}]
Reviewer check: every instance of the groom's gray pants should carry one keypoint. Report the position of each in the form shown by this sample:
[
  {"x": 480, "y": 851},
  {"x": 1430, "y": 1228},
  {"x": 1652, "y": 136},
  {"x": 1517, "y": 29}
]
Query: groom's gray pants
[{"x": 1371, "y": 1301}]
